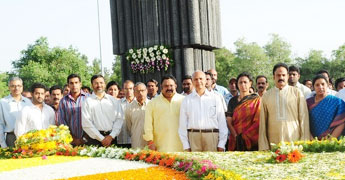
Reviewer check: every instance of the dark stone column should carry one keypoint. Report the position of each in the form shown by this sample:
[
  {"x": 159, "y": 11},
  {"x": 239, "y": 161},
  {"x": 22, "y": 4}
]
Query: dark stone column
[{"x": 191, "y": 28}]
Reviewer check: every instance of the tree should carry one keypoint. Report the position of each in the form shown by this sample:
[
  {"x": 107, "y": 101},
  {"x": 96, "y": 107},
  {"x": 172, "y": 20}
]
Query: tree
[
  {"x": 96, "y": 67},
  {"x": 116, "y": 76},
  {"x": 278, "y": 50},
  {"x": 224, "y": 65},
  {"x": 50, "y": 66},
  {"x": 251, "y": 58},
  {"x": 4, "y": 91},
  {"x": 337, "y": 65},
  {"x": 310, "y": 65}
]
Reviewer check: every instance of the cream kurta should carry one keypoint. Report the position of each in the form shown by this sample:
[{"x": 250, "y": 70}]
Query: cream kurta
[
  {"x": 135, "y": 119},
  {"x": 283, "y": 117},
  {"x": 162, "y": 123}
]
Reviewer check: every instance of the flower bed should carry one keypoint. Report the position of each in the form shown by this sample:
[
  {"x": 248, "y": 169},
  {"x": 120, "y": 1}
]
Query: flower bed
[
  {"x": 328, "y": 163},
  {"x": 254, "y": 165},
  {"x": 195, "y": 168},
  {"x": 152, "y": 173}
]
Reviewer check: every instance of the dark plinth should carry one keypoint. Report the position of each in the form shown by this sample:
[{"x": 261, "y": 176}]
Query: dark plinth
[{"x": 191, "y": 28}]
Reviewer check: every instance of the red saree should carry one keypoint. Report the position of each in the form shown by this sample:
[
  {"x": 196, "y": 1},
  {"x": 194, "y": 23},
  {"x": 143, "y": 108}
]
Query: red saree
[{"x": 245, "y": 120}]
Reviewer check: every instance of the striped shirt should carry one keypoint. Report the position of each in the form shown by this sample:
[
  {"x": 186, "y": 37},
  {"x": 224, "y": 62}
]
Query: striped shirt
[{"x": 69, "y": 113}]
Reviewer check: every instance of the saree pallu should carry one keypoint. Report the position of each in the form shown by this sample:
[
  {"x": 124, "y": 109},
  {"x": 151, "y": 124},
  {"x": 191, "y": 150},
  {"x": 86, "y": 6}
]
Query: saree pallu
[
  {"x": 325, "y": 115},
  {"x": 245, "y": 121}
]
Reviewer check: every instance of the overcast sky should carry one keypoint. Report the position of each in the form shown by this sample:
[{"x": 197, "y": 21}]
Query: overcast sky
[{"x": 305, "y": 24}]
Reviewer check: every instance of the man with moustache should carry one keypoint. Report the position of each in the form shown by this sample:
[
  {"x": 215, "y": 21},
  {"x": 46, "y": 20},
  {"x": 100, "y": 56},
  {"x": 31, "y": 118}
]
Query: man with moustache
[
  {"x": 10, "y": 108},
  {"x": 69, "y": 112},
  {"x": 152, "y": 89},
  {"x": 294, "y": 75},
  {"x": 135, "y": 116},
  {"x": 284, "y": 112},
  {"x": 37, "y": 116},
  {"x": 261, "y": 84},
  {"x": 102, "y": 115},
  {"x": 162, "y": 118},
  {"x": 187, "y": 85},
  {"x": 55, "y": 96},
  {"x": 202, "y": 119},
  {"x": 217, "y": 88}
]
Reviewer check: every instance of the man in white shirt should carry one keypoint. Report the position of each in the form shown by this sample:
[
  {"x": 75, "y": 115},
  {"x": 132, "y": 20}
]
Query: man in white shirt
[
  {"x": 37, "y": 116},
  {"x": 124, "y": 138},
  {"x": 10, "y": 108},
  {"x": 294, "y": 76},
  {"x": 102, "y": 115},
  {"x": 202, "y": 119}
]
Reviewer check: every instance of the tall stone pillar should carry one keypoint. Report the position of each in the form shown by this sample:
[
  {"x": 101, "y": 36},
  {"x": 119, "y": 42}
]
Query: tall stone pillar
[{"x": 191, "y": 28}]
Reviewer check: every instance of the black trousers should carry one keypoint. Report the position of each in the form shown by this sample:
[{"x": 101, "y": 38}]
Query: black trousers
[{"x": 95, "y": 142}]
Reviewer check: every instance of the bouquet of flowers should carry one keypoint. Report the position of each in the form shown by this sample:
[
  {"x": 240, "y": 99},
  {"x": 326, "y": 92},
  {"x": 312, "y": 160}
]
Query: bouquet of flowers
[
  {"x": 149, "y": 59},
  {"x": 286, "y": 153},
  {"x": 45, "y": 141}
]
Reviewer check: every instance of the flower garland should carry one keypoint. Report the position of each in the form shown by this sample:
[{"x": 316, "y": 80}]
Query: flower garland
[
  {"x": 147, "y": 60},
  {"x": 54, "y": 140},
  {"x": 152, "y": 173},
  {"x": 286, "y": 153},
  {"x": 331, "y": 144},
  {"x": 195, "y": 169}
]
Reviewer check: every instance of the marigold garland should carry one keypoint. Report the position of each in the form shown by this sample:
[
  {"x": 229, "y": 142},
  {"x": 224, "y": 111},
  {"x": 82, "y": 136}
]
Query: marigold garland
[
  {"x": 152, "y": 173},
  {"x": 12, "y": 164}
]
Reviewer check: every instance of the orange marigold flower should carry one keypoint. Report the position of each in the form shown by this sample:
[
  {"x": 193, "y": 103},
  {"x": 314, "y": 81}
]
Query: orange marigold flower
[
  {"x": 162, "y": 162},
  {"x": 170, "y": 162},
  {"x": 294, "y": 156},
  {"x": 142, "y": 156}
]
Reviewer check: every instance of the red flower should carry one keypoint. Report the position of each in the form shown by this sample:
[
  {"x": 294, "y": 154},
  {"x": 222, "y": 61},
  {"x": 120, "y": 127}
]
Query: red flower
[
  {"x": 128, "y": 155},
  {"x": 162, "y": 162},
  {"x": 142, "y": 156},
  {"x": 277, "y": 151},
  {"x": 281, "y": 158},
  {"x": 170, "y": 162}
]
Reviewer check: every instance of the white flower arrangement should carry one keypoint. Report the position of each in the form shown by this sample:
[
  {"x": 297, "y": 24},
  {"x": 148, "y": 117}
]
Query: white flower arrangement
[{"x": 149, "y": 59}]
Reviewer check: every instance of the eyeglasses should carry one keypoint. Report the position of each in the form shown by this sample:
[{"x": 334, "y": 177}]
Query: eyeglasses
[{"x": 14, "y": 86}]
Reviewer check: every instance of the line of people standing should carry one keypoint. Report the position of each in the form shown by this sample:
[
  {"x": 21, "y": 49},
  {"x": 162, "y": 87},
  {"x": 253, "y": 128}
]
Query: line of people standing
[{"x": 205, "y": 117}]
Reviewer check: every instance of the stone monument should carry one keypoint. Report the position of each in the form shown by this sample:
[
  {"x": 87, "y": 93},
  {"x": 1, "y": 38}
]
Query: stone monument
[{"x": 191, "y": 28}]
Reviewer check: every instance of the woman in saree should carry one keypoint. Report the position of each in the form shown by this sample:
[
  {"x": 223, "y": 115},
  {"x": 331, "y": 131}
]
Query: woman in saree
[
  {"x": 243, "y": 116},
  {"x": 326, "y": 112}
]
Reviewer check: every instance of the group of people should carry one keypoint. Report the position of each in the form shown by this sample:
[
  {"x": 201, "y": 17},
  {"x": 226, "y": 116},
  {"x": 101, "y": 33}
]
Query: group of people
[{"x": 204, "y": 117}]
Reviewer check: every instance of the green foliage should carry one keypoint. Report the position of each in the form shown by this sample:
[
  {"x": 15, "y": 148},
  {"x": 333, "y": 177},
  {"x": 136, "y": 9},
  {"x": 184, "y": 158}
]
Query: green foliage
[
  {"x": 224, "y": 66},
  {"x": 4, "y": 91},
  {"x": 278, "y": 50},
  {"x": 96, "y": 67},
  {"x": 116, "y": 76},
  {"x": 51, "y": 66}
]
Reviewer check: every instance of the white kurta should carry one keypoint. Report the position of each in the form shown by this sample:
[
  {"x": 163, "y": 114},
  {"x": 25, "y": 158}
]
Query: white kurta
[
  {"x": 283, "y": 117},
  {"x": 33, "y": 118}
]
